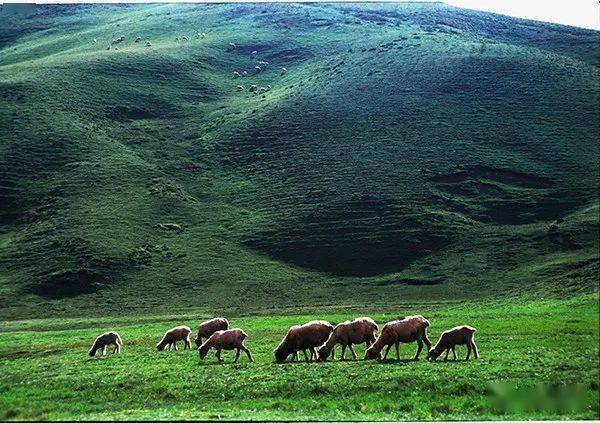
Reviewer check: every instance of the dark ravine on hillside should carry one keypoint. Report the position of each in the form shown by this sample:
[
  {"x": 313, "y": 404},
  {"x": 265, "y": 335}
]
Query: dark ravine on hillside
[{"x": 408, "y": 148}]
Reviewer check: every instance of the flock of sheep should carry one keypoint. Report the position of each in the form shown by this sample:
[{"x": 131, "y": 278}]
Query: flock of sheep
[
  {"x": 260, "y": 66},
  {"x": 318, "y": 336}
]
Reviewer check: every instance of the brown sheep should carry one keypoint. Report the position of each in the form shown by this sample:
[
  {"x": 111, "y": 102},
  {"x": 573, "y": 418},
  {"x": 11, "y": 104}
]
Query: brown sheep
[
  {"x": 232, "y": 339},
  {"x": 357, "y": 331},
  {"x": 460, "y": 335},
  {"x": 209, "y": 327},
  {"x": 101, "y": 342},
  {"x": 179, "y": 333},
  {"x": 409, "y": 329},
  {"x": 301, "y": 337}
]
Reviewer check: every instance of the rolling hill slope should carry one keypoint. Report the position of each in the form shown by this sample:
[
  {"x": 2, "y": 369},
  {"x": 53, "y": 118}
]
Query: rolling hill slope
[{"x": 411, "y": 151}]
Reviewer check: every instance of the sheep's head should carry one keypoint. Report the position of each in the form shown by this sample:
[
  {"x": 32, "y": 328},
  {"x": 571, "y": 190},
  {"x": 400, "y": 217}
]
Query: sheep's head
[
  {"x": 197, "y": 341},
  {"x": 433, "y": 354},
  {"x": 203, "y": 350},
  {"x": 92, "y": 352},
  {"x": 280, "y": 354},
  {"x": 322, "y": 353},
  {"x": 372, "y": 354},
  {"x": 160, "y": 347}
]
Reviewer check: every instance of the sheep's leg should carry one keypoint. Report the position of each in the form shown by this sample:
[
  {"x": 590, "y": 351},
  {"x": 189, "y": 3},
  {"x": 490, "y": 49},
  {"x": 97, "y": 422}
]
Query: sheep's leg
[
  {"x": 104, "y": 350},
  {"x": 454, "y": 353},
  {"x": 333, "y": 353},
  {"x": 398, "y": 351},
  {"x": 237, "y": 355},
  {"x": 352, "y": 351},
  {"x": 447, "y": 352},
  {"x": 427, "y": 341},
  {"x": 475, "y": 352},
  {"x": 387, "y": 351},
  {"x": 175, "y": 345},
  {"x": 115, "y": 348},
  {"x": 169, "y": 346},
  {"x": 218, "y": 354},
  {"x": 305, "y": 355},
  {"x": 247, "y": 351},
  {"x": 343, "y": 352},
  {"x": 295, "y": 356},
  {"x": 313, "y": 354},
  {"x": 468, "y": 351},
  {"x": 419, "y": 349}
]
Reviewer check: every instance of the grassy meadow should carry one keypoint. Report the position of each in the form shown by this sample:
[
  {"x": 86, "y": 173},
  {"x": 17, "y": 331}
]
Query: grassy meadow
[
  {"x": 545, "y": 352},
  {"x": 415, "y": 158}
]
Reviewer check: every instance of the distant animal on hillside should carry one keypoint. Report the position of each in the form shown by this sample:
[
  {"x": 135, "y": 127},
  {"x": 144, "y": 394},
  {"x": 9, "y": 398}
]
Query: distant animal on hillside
[
  {"x": 148, "y": 44},
  {"x": 138, "y": 39},
  {"x": 302, "y": 337},
  {"x": 253, "y": 88},
  {"x": 254, "y": 53},
  {"x": 239, "y": 87},
  {"x": 177, "y": 39},
  {"x": 104, "y": 340},
  {"x": 407, "y": 330},
  {"x": 459, "y": 335},
  {"x": 170, "y": 338},
  {"x": 358, "y": 331},
  {"x": 94, "y": 41},
  {"x": 207, "y": 328},
  {"x": 232, "y": 339},
  {"x": 231, "y": 47},
  {"x": 184, "y": 38},
  {"x": 283, "y": 71},
  {"x": 236, "y": 74},
  {"x": 119, "y": 39},
  {"x": 200, "y": 35}
]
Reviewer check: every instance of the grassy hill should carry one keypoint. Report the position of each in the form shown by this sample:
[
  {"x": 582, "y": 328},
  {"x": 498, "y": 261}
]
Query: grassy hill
[{"x": 412, "y": 152}]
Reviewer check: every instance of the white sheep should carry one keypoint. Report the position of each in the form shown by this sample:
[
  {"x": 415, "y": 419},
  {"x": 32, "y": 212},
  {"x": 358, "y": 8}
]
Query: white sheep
[{"x": 101, "y": 342}]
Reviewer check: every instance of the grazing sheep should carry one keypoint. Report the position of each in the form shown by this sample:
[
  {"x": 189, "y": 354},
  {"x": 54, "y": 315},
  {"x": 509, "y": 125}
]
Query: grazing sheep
[
  {"x": 200, "y": 34},
  {"x": 138, "y": 39},
  {"x": 302, "y": 337},
  {"x": 357, "y": 331},
  {"x": 119, "y": 39},
  {"x": 232, "y": 339},
  {"x": 244, "y": 73},
  {"x": 231, "y": 47},
  {"x": 239, "y": 88},
  {"x": 236, "y": 74},
  {"x": 209, "y": 327},
  {"x": 109, "y": 47},
  {"x": 101, "y": 342},
  {"x": 184, "y": 38},
  {"x": 254, "y": 53},
  {"x": 460, "y": 335},
  {"x": 409, "y": 329},
  {"x": 258, "y": 68},
  {"x": 177, "y": 39},
  {"x": 148, "y": 44},
  {"x": 94, "y": 41},
  {"x": 283, "y": 71},
  {"x": 253, "y": 88},
  {"x": 263, "y": 64},
  {"x": 179, "y": 333}
]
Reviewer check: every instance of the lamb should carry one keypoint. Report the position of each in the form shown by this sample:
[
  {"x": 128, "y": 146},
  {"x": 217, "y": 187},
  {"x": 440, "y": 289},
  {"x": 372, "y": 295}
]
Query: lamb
[
  {"x": 254, "y": 53},
  {"x": 170, "y": 338},
  {"x": 460, "y": 335},
  {"x": 209, "y": 327},
  {"x": 138, "y": 39},
  {"x": 231, "y": 47},
  {"x": 258, "y": 68},
  {"x": 232, "y": 339},
  {"x": 302, "y": 337},
  {"x": 236, "y": 74},
  {"x": 409, "y": 329},
  {"x": 101, "y": 342},
  {"x": 184, "y": 38},
  {"x": 357, "y": 331},
  {"x": 283, "y": 71}
]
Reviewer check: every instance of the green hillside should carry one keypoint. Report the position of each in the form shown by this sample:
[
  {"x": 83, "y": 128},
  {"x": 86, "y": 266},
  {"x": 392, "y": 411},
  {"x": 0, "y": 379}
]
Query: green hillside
[{"x": 411, "y": 153}]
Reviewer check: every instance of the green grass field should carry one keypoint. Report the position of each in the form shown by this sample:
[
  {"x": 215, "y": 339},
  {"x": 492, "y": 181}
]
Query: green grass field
[
  {"x": 415, "y": 158},
  {"x": 547, "y": 346}
]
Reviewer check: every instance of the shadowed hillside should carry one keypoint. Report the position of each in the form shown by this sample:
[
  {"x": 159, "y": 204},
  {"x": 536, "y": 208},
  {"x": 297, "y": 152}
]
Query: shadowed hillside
[{"x": 411, "y": 151}]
